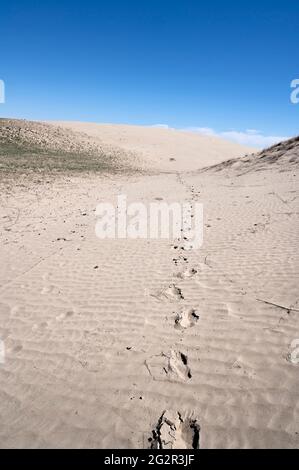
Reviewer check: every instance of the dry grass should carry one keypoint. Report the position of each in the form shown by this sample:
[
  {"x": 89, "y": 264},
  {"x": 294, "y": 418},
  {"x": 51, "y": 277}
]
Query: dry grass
[{"x": 32, "y": 148}]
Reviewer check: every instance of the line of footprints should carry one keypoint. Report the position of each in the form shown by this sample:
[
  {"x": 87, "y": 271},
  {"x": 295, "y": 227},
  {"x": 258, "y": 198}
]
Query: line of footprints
[{"x": 174, "y": 430}]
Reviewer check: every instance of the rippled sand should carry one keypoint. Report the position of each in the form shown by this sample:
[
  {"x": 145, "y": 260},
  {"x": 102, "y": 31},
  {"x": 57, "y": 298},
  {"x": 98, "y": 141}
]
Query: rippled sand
[{"x": 102, "y": 336}]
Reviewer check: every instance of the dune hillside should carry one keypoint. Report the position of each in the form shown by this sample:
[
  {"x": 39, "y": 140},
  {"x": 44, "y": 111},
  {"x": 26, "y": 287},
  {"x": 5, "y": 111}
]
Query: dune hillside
[{"x": 163, "y": 149}]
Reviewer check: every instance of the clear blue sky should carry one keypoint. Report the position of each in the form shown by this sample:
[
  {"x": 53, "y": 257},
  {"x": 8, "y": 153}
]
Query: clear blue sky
[{"x": 186, "y": 63}]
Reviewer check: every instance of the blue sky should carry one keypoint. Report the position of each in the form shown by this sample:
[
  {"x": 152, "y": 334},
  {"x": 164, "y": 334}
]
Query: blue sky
[{"x": 221, "y": 67}]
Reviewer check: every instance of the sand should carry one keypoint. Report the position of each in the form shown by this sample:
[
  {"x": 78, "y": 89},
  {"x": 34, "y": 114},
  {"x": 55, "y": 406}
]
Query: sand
[
  {"x": 135, "y": 344},
  {"x": 162, "y": 149}
]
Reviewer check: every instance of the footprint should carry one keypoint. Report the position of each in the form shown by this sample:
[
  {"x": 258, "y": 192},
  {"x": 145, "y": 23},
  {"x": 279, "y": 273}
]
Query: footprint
[
  {"x": 14, "y": 310},
  {"x": 186, "y": 319},
  {"x": 174, "y": 292},
  {"x": 189, "y": 245},
  {"x": 175, "y": 432},
  {"x": 172, "y": 366},
  {"x": 188, "y": 274},
  {"x": 171, "y": 293},
  {"x": 47, "y": 290},
  {"x": 40, "y": 326},
  {"x": 178, "y": 366},
  {"x": 65, "y": 315},
  {"x": 293, "y": 354},
  {"x": 18, "y": 348},
  {"x": 241, "y": 368}
]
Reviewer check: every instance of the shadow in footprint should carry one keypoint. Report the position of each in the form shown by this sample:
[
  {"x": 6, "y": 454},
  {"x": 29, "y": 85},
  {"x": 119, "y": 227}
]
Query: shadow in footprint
[
  {"x": 171, "y": 293},
  {"x": 65, "y": 315},
  {"x": 175, "y": 432},
  {"x": 172, "y": 367},
  {"x": 186, "y": 319},
  {"x": 188, "y": 274}
]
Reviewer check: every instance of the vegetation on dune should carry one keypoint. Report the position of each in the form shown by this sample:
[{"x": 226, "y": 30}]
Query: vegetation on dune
[
  {"x": 36, "y": 148},
  {"x": 15, "y": 158}
]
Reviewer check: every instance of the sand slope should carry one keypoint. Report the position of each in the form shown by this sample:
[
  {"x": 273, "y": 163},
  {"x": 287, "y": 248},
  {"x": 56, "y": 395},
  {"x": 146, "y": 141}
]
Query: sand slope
[
  {"x": 102, "y": 337},
  {"x": 163, "y": 149}
]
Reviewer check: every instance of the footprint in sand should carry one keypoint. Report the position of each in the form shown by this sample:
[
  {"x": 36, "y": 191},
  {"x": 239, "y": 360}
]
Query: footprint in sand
[
  {"x": 17, "y": 348},
  {"x": 45, "y": 277},
  {"x": 172, "y": 366},
  {"x": 14, "y": 310},
  {"x": 171, "y": 293},
  {"x": 65, "y": 315},
  {"x": 175, "y": 432},
  {"x": 293, "y": 354},
  {"x": 188, "y": 274},
  {"x": 186, "y": 319},
  {"x": 47, "y": 289},
  {"x": 241, "y": 368},
  {"x": 40, "y": 326}
]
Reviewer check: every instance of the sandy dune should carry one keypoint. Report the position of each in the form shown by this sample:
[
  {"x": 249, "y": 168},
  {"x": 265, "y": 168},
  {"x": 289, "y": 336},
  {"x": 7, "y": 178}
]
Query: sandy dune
[
  {"x": 163, "y": 149},
  {"x": 135, "y": 343}
]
